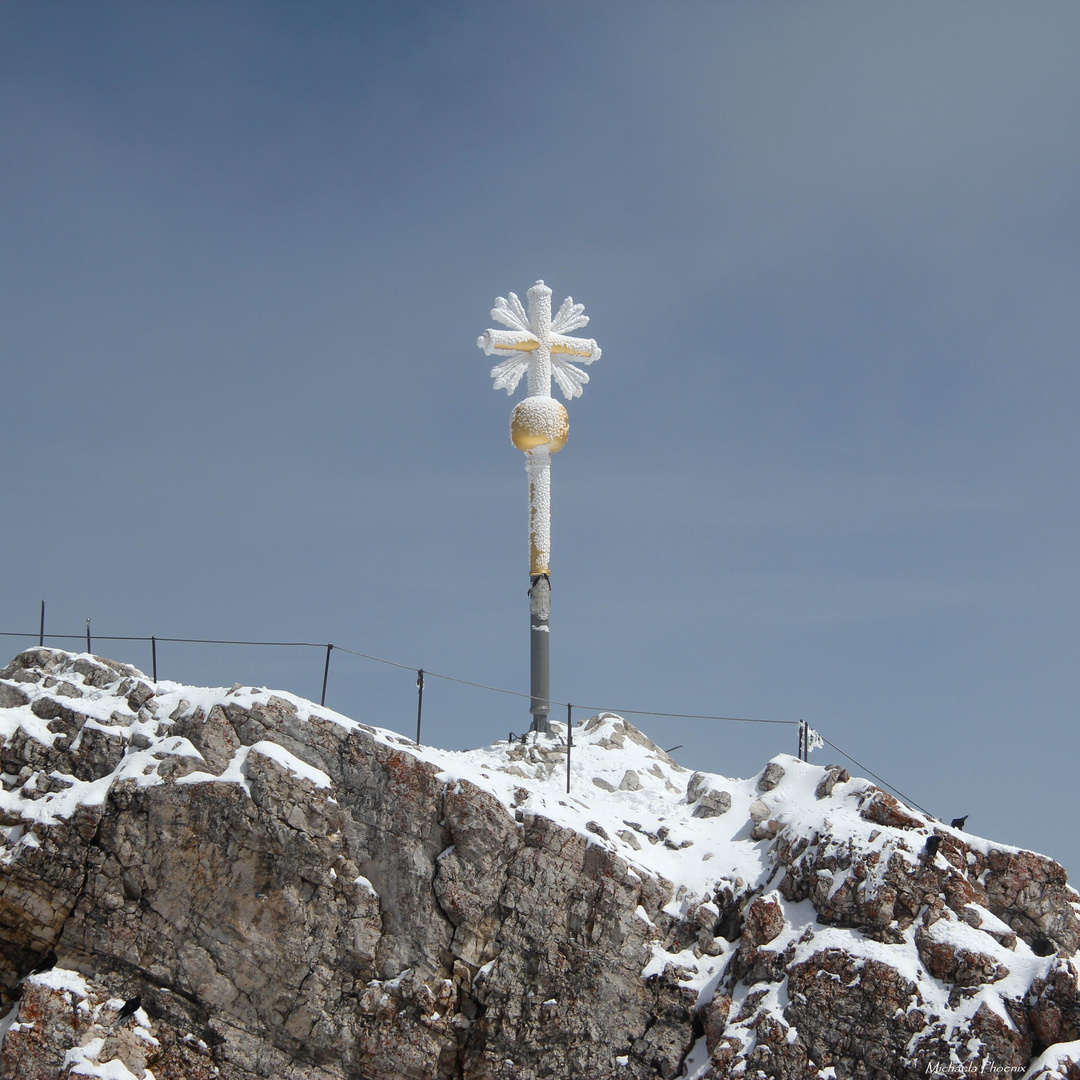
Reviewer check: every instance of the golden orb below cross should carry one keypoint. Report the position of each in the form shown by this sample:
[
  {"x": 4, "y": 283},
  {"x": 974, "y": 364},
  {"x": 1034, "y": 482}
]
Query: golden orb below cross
[{"x": 537, "y": 421}]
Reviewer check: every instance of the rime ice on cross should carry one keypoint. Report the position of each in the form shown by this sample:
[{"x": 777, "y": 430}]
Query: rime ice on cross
[{"x": 537, "y": 344}]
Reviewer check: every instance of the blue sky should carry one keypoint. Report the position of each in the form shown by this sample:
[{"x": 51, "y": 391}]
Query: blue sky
[{"x": 826, "y": 468}]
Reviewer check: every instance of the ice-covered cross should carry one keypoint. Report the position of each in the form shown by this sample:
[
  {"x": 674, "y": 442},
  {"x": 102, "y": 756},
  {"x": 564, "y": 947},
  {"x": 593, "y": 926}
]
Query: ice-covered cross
[{"x": 537, "y": 344}]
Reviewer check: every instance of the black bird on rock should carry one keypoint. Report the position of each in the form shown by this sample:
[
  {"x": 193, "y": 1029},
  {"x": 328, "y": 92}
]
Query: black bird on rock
[
  {"x": 958, "y": 822},
  {"x": 932, "y": 845},
  {"x": 129, "y": 1008}
]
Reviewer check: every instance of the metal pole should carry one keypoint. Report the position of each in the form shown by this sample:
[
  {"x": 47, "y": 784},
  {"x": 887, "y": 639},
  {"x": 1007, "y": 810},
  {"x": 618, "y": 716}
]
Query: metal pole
[
  {"x": 419, "y": 702},
  {"x": 325, "y": 674},
  {"x": 540, "y": 651},
  {"x": 41, "y": 632},
  {"x": 153, "y": 654},
  {"x": 88, "y": 649},
  {"x": 569, "y": 741}
]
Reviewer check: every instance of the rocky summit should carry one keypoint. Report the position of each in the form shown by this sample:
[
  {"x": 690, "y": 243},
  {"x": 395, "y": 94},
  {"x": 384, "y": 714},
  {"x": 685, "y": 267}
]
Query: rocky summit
[{"x": 236, "y": 883}]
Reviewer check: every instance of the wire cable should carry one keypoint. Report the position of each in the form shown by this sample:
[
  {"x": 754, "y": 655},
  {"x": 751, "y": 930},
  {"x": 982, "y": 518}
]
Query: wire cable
[
  {"x": 687, "y": 716},
  {"x": 910, "y": 801},
  {"x": 477, "y": 685},
  {"x": 179, "y": 640}
]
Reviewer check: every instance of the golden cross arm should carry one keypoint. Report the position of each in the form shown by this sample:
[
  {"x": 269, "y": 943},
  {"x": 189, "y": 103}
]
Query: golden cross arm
[
  {"x": 586, "y": 348},
  {"x": 494, "y": 341}
]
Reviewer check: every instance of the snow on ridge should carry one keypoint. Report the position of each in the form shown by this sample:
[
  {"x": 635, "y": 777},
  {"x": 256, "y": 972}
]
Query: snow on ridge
[
  {"x": 1056, "y": 1060},
  {"x": 626, "y": 793}
]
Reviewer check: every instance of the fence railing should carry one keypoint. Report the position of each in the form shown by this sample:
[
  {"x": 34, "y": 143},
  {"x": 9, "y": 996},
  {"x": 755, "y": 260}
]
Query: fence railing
[{"x": 804, "y": 731}]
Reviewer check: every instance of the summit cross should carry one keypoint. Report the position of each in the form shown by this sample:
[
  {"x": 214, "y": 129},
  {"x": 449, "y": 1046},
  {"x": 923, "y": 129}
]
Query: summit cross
[{"x": 536, "y": 344}]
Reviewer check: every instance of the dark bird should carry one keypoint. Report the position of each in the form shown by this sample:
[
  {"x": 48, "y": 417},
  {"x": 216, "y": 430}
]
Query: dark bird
[
  {"x": 932, "y": 845},
  {"x": 47, "y": 963},
  {"x": 958, "y": 822},
  {"x": 129, "y": 1008}
]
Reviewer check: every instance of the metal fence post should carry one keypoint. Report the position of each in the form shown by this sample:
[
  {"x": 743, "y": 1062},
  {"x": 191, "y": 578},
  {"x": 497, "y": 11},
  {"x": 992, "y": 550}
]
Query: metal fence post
[
  {"x": 153, "y": 654},
  {"x": 419, "y": 701},
  {"x": 325, "y": 674},
  {"x": 88, "y": 649},
  {"x": 569, "y": 741},
  {"x": 41, "y": 632}
]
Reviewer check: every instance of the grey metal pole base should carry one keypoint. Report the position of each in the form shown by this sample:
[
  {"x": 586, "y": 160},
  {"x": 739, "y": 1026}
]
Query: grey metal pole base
[{"x": 539, "y": 651}]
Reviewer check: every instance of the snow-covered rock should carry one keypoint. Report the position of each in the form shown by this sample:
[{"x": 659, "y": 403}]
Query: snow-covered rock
[{"x": 293, "y": 893}]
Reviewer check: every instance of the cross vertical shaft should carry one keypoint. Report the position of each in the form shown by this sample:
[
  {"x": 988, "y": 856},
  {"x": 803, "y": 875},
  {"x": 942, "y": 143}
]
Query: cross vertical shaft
[
  {"x": 539, "y": 377},
  {"x": 538, "y": 466}
]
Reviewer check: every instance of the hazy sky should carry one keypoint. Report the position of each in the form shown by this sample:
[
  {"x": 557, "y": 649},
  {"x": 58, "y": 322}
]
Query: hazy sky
[{"x": 826, "y": 469}]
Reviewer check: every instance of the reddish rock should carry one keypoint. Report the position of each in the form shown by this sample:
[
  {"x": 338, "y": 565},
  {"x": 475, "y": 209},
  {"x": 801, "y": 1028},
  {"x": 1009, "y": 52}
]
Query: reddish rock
[
  {"x": 1030, "y": 892},
  {"x": 764, "y": 921},
  {"x": 715, "y": 1017},
  {"x": 883, "y": 809},
  {"x": 962, "y": 967},
  {"x": 1054, "y": 1006}
]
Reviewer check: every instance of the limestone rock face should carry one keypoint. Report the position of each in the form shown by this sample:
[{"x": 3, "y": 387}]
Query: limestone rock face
[{"x": 293, "y": 894}]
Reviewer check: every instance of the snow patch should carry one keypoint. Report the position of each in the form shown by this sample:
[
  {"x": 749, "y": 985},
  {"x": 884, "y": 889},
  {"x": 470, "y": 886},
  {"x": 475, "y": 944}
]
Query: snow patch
[{"x": 237, "y": 769}]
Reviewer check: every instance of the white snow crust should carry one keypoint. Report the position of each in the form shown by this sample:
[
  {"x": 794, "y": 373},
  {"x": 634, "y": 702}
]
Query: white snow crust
[{"x": 1057, "y": 1058}]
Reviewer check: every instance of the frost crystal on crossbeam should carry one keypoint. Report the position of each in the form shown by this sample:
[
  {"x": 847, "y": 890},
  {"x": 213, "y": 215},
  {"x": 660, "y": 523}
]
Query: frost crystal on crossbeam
[{"x": 536, "y": 343}]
